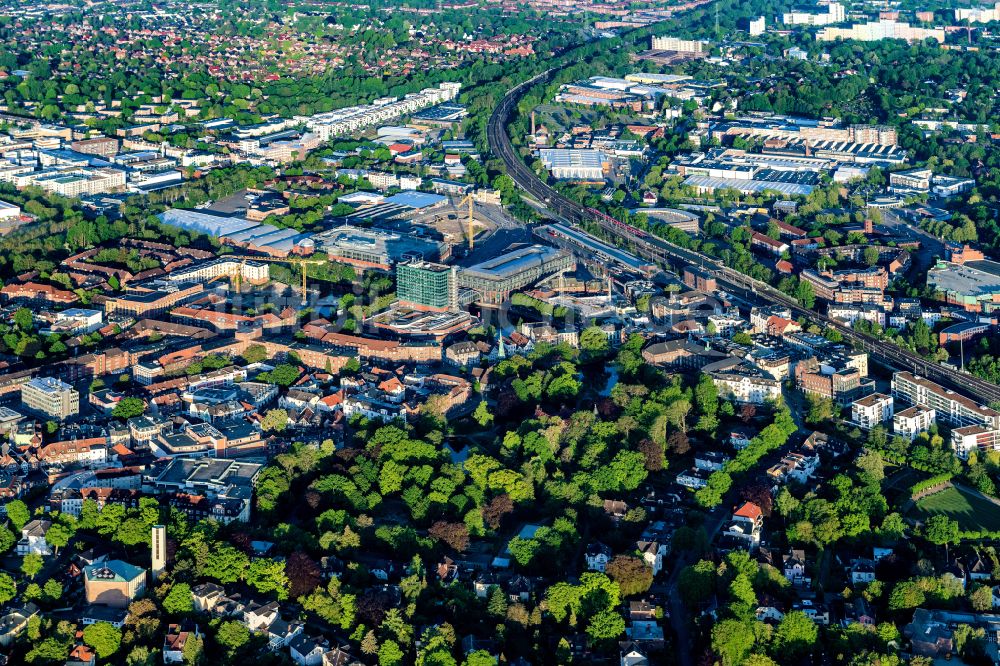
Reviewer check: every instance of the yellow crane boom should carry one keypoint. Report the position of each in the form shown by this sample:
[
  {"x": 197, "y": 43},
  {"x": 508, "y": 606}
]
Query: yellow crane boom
[
  {"x": 470, "y": 231},
  {"x": 301, "y": 262}
]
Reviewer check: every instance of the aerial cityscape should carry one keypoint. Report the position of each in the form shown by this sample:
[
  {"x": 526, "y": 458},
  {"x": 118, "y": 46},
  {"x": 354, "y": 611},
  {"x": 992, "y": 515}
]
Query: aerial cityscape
[{"x": 487, "y": 333}]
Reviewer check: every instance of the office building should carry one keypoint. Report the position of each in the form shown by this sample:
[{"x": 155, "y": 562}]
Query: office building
[
  {"x": 376, "y": 248},
  {"x": 495, "y": 279},
  {"x": 834, "y": 14},
  {"x": 50, "y": 397},
  {"x": 423, "y": 285},
  {"x": 574, "y": 164}
]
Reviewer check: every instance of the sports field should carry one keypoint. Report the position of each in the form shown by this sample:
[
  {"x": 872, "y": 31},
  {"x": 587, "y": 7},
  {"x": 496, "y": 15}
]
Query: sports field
[{"x": 971, "y": 511}]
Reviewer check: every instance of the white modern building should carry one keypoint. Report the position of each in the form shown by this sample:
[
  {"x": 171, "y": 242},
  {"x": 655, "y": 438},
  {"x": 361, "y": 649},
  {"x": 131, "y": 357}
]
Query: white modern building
[
  {"x": 50, "y": 397},
  {"x": 912, "y": 421},
  {"x": 834, "y": 13},
  {"x": 350, "y": 119},
  {"x": 574, "y": 163},
  {"x": 872, "y": 410}
]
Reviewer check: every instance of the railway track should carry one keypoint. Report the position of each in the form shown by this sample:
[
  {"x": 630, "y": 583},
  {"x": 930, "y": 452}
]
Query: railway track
[{"x": 663, "y": 252}]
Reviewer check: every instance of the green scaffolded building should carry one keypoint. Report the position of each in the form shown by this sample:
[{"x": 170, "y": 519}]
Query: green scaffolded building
[{"x": 423, "y": 285}]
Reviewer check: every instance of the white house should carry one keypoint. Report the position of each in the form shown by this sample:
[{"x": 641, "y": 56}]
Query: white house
[
  {"x": 307, "y": 651},
  {"x": 598, "y": 555},
  {"x": 862, "y": 572},
  {"x": 206, "y": 596},
  {"x": 794, "y": 568},
  {"x": 33, "y": 538},
  {"x": 694, "y": 478},
  {"x": 652, "y": 552}
]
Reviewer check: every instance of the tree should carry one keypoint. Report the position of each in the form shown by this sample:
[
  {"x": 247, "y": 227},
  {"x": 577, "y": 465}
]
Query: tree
[
  {"x": 390, "y": 654},
  {"x": 696, "y": 582},
  {"x": 820, "y": 409},
  {"x": 58, "y": 536},
  {"x": 18, "y": 513},
  {"x": 141, "y": 656},
  {"x": 7, "y": 540},
  {"x": 456, "y": 535},
  {"x": 268, "y": 576},
  {"x": 732, "y": 640},
  {"x": 873, "y": 464},
  {"x": 805, "y": 294},
  {"x": 8, "y": 588},
  {"x": 193, "y": 649},
  {"x": 679, "y": 442},
  {"x": 275, "y": 420},
  {"x": 232, "y": 636},
  {"x": 631, "y": 573},
  {"x": 179, "y": 601},
  {"x": 605, "y": 626},
  {"x": 796, "y": 635},
  {"x": 226, "y": 564},
  {"x": 941, "y": 531},
  {"x": 981, "y": 598},
  {"x": 303, "y": 574},
  {"x": 906, "y": 595},
  {"x": 103, "y": 637},
  {"x": 132, "y": 532},
  {"x": 369, "y": 644},
  {"x": 283, "y": 375},
  {"x": 31, "y": 565},
  {"x": 52, "y": 590},
  {"x": 594, "y": 343},
  {"x": 653, "y": 455},
  {"x": 482, "y": 415},
  {"x": 24, "y": 320},
  {"x": 255, "y": 353},
  {"x": 706, "y": 396},
  {"x": 870, "y": 255},
  {"x": 480, "y": 658},
  {"x": 128, "y": 408},
  {"x": 496, "y": 509},
  {"x": 496, "y": 604}
]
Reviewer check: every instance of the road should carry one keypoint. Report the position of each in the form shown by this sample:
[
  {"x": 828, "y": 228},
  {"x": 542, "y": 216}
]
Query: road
[{"x": 663, "y": 253}]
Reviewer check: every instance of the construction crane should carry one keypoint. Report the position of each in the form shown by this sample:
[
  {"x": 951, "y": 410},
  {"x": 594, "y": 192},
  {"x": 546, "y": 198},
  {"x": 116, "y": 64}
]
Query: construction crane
[
  {"x": 470, "y": 231},
  {"x": 301, "y": 262}
]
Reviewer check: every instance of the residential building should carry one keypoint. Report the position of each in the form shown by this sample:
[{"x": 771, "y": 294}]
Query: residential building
[
  {"x": 910, "y": 422},
  {"x": 33, "y": 540},
  {"x": 871, "y": 410},
  {"x": 950, "y": 407}
]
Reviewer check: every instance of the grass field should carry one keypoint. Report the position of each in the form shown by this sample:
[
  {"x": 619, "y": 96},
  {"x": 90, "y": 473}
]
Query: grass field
[{"x": 971, "y": 512}]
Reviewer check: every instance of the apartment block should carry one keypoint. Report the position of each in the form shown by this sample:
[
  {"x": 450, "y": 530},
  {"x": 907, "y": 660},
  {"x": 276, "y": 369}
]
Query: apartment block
[{"x": 872, "y": 410}]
